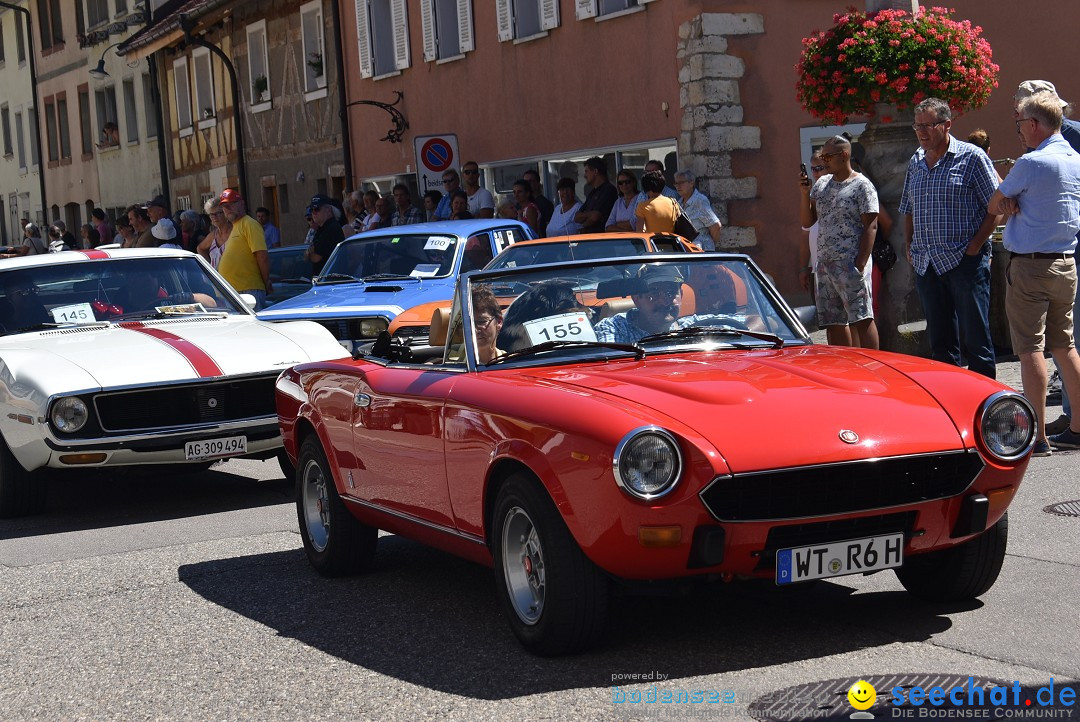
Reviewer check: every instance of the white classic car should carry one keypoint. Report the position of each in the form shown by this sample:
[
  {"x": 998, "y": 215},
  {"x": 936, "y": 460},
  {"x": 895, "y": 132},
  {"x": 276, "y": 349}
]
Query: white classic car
[{"x": 131, "y": 357}]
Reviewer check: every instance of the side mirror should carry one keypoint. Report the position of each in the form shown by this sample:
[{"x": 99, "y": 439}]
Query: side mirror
[
  {"x": 248, "y": 300},
  {"x": 807, "y": 316}
]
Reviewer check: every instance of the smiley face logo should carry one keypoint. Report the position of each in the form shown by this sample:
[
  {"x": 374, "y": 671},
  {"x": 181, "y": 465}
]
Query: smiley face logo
[{"x": 862, "y": 695}]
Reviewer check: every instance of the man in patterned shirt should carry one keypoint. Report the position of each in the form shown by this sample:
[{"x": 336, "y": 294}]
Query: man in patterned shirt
[
  {"x": 946, "y": 223},
  {"x": 405, "y": 213},
  {"x": 657, "y": 303},
  {"x": 844, "y": 203}
]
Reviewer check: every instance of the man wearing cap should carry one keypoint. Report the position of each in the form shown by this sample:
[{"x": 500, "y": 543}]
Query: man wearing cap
[
  {"x": 328, "y": 233},
  {"x": 158, "y": 210},
  {"x": 1041, "y": 198},
  {"x": 139, "y": 219},
  {"x": 657, "y": 301},
  {"x": 947, "y": 227},
  {"x": 244, "y": 262}
]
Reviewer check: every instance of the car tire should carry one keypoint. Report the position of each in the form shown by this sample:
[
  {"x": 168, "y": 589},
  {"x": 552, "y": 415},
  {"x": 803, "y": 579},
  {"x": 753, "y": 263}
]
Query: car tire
[
  {"x": 286, "y": 466},
  {"x": 554, "y": 597},
  {"x": 962, "y": 572},
  {"x": 336, "y": 542},
  {"x": 22, "y": 492}
]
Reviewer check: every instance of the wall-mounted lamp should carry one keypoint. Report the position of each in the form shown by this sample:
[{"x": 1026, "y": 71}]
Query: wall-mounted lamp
[{"x": 99, "y": 73}]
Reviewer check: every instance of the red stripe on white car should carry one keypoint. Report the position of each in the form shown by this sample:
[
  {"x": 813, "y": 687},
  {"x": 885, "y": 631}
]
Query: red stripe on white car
[
  {"x": 199, "y": 359},
  {"x": 94, "y": 255}
]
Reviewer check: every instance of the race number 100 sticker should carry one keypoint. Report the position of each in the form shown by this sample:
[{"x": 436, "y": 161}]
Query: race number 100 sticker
[{"x": 564, "y": 327}]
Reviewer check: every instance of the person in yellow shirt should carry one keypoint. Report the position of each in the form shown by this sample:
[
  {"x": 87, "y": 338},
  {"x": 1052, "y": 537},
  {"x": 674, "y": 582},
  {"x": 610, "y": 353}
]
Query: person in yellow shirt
[
  {"x": 657, "y": 213},
  {"x": 245, "y": 263}
]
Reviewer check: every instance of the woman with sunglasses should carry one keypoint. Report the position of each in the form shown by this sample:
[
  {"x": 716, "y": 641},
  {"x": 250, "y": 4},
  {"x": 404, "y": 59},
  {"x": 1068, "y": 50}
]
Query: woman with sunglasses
[
  {"x": 622, "y": 213},
  {"x": 213, "y": 244}
]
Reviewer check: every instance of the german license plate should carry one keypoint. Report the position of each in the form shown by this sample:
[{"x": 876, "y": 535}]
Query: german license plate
[
  {"x": 215, "y": 448},
  {"x": 835, "y": 559}
]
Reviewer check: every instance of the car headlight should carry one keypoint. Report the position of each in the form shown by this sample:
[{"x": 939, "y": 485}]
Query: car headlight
[
  {"x": 372, "y": 327},
  {"x": 1006, "y": 423},
  {"x": 647, "y": 463},
  {"x": 69, "y": 414}
]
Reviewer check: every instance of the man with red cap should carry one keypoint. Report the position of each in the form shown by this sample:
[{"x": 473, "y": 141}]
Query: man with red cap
[{"x": 245, "y": 263}]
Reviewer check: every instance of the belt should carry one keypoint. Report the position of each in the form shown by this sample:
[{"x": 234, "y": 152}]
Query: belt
[{"x": 1062, "y": 256}]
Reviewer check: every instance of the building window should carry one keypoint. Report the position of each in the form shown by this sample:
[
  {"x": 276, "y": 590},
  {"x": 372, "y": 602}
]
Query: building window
[
  {"x": 311, "y": 26},
  {"x": 182, "y": 88},
  {"x": 20, "y": 40},
  {"x": 50, "y": 130},
  {"x": 64, "y": 127},
  {"x": 97, "y": 12},
  {"x": 35, "y": 134},
  {"x": 121, "y": 7},
  {"x": 5, "y": 120},
  {"x": 50, "y": 22},
  {"x": 204, "y": 88},
  {"x": 584, "y": 9},
  {"x": 448, "y": 28},
  {"x": 131, "y": 117},
  {"x": 150, "y": 108},
  {"x": 258, "y": 63},
  {"x": 85, "y": 124},
  {"x": 382, "y": 29},
  {"x": 105, "y": 100},
  {"x": 20, "y": 141},
  {"x": 525, "y": 18},
  {"x": 2, "y": 37},
  {"x": 183, "y": 203}
]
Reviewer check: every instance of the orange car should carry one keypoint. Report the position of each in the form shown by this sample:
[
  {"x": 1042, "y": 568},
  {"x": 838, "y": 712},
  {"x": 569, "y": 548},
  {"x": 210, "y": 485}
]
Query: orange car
[{"x": 558, "y": 249}]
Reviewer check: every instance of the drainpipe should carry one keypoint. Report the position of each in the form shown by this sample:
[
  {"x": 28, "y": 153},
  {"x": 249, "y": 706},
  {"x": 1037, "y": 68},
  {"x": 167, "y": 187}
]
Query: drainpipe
[
  {"x": 37, "y": 112},
  {"x": 343, "y": 111},
  {"x": 187, "y": 25}
]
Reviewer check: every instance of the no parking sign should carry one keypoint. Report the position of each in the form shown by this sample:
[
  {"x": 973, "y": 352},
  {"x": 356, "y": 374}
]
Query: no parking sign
[{"x": 435, "y": 154}]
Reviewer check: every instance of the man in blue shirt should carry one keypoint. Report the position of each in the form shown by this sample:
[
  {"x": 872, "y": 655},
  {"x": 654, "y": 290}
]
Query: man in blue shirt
[
  {"x": 451, "y": 182},
  {"x": 946, "y": 191},
  {"x": 1041, "y": 197},
  {"x": 657, "y": 300},
  {"x": 273, "y": 235}
]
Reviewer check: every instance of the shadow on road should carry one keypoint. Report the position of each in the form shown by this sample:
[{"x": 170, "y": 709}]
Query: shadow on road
[
  {"x": 433, "y": 620},
  {"x": 100, "y": 499}
]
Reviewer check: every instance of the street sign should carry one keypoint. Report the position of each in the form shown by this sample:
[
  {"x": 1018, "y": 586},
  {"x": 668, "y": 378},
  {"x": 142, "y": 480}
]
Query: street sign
[{"x": 434, "y": 155}]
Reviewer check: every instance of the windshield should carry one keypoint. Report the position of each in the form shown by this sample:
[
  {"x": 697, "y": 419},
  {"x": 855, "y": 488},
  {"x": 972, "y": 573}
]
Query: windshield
[
  {"x": 108, "y": 290},
  {"x": 534, "y": 254},
  {"x": 699, "y": 302},
  {"x": 405, "y": 256}
]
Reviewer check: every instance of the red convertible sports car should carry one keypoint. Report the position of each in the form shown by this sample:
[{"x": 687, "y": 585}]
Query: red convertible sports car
[{"x": 587, "y": 424}]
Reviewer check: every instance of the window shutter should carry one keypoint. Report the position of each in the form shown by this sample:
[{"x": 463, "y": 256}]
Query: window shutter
[
  {"x": 465, "y": 26},
  {"x": 399, "y": 18},
  {"x": 506, "y": 20},
  {"x": 585, "y": 9},
  {"x": 363, "y": 38},
  {"x": 549, "y": 14},
  {"x": 427, "y": 28}
]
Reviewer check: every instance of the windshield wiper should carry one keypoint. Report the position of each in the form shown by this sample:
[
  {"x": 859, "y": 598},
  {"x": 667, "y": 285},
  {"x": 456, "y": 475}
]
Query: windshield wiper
[
  {"x": 639, "y": 353},
  {"x": 335, "y": 278},
  {"x": 692, "y": 331}
]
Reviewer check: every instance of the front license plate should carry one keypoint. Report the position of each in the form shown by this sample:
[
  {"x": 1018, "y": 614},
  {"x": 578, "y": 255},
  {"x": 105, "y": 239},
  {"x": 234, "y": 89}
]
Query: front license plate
[
  {"x": 215, "y": 448},
  {"x": 821, "y": 561}
]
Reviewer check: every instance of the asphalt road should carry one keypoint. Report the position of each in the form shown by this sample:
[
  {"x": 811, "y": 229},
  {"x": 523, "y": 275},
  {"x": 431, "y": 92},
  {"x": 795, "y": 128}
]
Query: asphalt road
[{"x": 188, "y": 597}]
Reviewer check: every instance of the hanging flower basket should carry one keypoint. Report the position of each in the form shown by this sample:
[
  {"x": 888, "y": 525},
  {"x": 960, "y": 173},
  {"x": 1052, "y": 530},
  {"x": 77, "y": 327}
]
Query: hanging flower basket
[{"x": 892, "y": 57}]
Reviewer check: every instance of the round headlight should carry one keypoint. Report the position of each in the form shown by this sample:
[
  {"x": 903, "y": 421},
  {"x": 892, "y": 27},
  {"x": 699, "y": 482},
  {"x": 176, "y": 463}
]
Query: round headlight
[
  {"x": 1007, "y": 425},
  {"x": 69, "y": 414},
  {"x": 647, "y": 463}
]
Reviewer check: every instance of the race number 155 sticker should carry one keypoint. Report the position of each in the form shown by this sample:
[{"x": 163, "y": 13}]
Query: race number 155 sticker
[{"x": 564, "y": 327}]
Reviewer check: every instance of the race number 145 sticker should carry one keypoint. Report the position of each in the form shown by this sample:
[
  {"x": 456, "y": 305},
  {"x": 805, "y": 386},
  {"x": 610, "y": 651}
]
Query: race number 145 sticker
[
  {"x": 76, "y": 313},
  {"x": 564, "y": 327}
]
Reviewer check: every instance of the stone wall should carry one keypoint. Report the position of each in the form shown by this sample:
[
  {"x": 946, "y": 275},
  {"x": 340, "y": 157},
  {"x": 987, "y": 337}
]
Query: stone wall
[{"x": 712, "y": 114}]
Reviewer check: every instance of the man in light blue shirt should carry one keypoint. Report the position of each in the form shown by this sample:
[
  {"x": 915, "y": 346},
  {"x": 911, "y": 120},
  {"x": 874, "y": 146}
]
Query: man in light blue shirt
[
  {"x": 699, "y": 210},
  {"x": 273, "y": 235},
  {"x": 1041, "y": 197}
]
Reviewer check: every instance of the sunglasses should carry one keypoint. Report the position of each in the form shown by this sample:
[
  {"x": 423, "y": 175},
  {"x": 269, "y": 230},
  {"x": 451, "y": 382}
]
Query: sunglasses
[
  {"x": 626, "y": 182},
  {"x": 471, "y": 172},
  {"x": 817, "y": 168}
]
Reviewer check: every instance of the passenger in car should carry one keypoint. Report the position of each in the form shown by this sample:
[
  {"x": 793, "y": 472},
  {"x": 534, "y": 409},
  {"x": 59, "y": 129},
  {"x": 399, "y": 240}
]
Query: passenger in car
[
  {"x": 657, "y": 300},
  {"x": 488, "y": 321}
]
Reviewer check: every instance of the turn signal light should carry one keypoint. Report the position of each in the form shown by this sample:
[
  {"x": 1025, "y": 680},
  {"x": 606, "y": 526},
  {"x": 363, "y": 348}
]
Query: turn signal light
[
  {"x": 999, "y": 499},
  {"x": 77, "y": 459},
  {"x": 659, "y": 536}
]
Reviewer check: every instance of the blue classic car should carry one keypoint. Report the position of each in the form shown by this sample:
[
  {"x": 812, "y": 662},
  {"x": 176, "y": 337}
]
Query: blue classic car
[{"x": 373, "y": 278}]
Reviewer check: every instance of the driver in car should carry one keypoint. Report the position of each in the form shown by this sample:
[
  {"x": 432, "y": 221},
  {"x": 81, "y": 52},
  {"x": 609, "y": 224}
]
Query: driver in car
[
  {"x": 657, "y": 304},
  {"x": 144, "y": 293}
]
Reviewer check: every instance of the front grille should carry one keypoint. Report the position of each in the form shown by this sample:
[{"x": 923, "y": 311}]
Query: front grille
[
  {"x": 824, "y": 532},
  {"x": 187, "y": 405},
  {"x": 347, "y": 329},
  {"x": 831, "y": 489}
]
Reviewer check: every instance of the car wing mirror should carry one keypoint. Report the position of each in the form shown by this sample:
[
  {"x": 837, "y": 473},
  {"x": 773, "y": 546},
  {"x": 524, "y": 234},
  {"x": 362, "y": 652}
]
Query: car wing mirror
[
  {"x": 807, "y": 316},
  {"x": 248, "y": 300}
]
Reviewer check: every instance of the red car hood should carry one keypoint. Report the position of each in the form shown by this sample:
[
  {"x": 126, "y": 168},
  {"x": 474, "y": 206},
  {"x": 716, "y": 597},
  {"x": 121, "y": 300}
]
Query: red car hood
[{"x": 769, "y": 409}]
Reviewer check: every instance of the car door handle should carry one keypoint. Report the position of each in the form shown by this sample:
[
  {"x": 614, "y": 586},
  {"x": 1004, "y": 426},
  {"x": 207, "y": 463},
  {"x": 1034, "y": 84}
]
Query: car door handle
[{"x": 362, "y": 400}]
